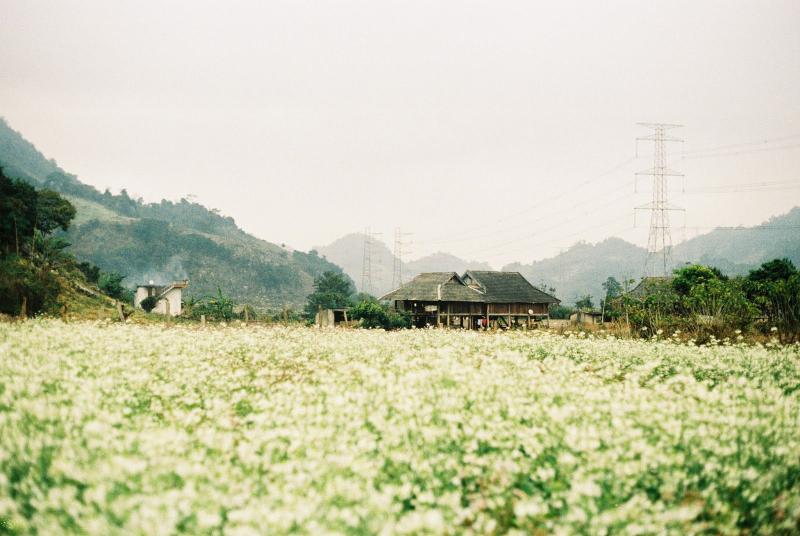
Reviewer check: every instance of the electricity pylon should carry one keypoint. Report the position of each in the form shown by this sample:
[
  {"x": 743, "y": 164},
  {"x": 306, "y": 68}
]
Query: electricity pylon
[
  {"x": 659, "y": 242},
  {"x": 366, "y": 265},
  {"x": 400, "y": 246}
]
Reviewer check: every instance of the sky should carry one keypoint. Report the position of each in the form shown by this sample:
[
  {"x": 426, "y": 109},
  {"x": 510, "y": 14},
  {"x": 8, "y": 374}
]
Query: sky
[{"x": 498, "y": 131}]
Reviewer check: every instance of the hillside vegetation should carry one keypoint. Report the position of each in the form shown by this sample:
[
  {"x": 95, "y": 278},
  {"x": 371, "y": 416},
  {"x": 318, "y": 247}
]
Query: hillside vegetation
[{"x": 168, "y": 240}]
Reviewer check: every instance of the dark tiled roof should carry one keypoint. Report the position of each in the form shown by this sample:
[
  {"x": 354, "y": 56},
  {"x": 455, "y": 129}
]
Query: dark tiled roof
[
  {"x": 436, "y": 286},
  {"x": 508, "y": 287},
  {"x": 492, "y": 287}
]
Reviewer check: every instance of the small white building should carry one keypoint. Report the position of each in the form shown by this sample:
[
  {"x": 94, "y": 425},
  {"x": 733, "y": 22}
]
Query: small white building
[{"x": 169, "y": 297}]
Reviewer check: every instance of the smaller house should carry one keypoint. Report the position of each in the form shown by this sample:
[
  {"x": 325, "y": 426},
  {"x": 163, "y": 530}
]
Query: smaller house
[
  {"x": 586, "y": 317},
  {"x": 330, "y": 317},
  {"x": 168, "y": 298}
]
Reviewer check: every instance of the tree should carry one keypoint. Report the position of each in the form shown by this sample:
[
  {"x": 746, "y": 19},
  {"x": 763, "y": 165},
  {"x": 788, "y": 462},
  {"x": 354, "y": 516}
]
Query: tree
[
  {"x": 332, "y": 290},
  {"x": 613, "y": 288},
  {"x": 17, "y": 213},
  {"x": 584, "y": 303},
  {"x": 52, "y": 212},
  {"x": 774, "y": 270},
  {"x": 89, "y": 270},
  {"x": 111, "y": 284},
  {"x": 696, "y": 274},
  {"x": 775, "y": 288}
]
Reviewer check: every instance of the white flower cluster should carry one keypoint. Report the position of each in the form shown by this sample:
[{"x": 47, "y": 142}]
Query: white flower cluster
[{"x": 121, "y": 429}]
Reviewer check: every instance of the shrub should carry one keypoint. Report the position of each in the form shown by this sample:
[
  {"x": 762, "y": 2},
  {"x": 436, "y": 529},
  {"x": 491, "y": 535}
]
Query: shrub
[{"x": 149, "y": 303}]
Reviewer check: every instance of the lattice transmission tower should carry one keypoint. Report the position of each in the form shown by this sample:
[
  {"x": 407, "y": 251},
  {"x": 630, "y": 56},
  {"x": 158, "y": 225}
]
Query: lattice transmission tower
[
  {"x": 659, "y": 242},
  {"x": 400, "y": 249},
  {"x": 367, "y": 268}
]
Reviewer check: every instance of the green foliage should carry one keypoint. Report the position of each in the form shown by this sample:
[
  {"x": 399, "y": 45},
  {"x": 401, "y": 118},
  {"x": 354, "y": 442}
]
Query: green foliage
[
  {"x": 371, "y": 314},
  {"x": 374, "y": 315},
  {"x": 90, "y": 271},
  {"x": 149, "y": 303},
  {"x": 22, "y": 281},
  {"x": 53, "y": 212},
  {"x": 31, "y": 262},
  {"x": 219, "y": 307},
  {"x": 774, "y": 287},
  {"x": 584, "y": 303},
  {"x": 771, "y": 271},
  {"x": 332, "y": 290},
  {"x": 111, "y": 284},
  {"x": 17, "y": 214},
  {"x": 701, "y": 299},
  {"x": 613, "y": 288},
  {"x": 687, "y": 278},
  {"x": 721, "y": 302},
  {"x": 560, "y": 312}
]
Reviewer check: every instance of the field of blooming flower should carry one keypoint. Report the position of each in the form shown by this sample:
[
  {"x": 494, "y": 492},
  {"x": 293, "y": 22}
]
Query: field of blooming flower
[{"x": 112, "y": 428}]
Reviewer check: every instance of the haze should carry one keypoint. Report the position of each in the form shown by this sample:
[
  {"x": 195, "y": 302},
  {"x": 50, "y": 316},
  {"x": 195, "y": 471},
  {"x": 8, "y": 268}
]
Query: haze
[{"x": 497, "y": 131}]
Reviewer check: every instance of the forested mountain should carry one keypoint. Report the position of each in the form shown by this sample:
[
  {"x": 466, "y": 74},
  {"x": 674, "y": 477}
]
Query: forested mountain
[
  {"x": 167, "y": 240},
  {"x": 582, "y": 269},
  {"x": 348, "y": 252}
]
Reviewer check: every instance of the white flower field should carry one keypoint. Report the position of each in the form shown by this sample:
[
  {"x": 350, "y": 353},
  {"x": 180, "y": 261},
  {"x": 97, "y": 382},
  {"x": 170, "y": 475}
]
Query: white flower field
[{"x": 109, "y": 428}]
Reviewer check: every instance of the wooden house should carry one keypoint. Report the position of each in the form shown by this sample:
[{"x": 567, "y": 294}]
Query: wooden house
[{"x": 478, "y": 299}]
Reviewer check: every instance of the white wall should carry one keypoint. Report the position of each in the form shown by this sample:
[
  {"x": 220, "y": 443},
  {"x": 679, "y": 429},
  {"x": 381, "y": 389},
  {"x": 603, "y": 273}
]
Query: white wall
[{"x": 173, "y": 297}]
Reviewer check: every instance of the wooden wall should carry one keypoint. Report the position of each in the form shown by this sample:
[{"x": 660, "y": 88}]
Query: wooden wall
[{"x": 517, "y": 308}]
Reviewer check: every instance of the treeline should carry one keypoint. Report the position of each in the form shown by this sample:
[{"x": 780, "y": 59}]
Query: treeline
[
  {"x": 701, "y": 300},
  {"x": 192, "y": 215},
  {"x": 35, "y": 270}
]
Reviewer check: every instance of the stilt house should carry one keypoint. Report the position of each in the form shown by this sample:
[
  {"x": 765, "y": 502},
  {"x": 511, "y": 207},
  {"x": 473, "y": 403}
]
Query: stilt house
[{"x": 476, "y": 299}]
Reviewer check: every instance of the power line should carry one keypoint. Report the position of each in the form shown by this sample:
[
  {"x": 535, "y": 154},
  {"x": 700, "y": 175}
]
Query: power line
[
  {"x": 742, "y": 151},
  {"x": 742, "y": 144},
  {"x": 468, "y": 233}
]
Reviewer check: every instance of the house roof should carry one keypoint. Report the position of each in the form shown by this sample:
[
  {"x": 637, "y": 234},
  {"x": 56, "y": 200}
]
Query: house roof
[
  {"x": 160, "y": 291},
  {"x": 489, "y": 287},
  {"x": 649, "y": 285},
  {"x": 436, "y": 286},
  {"x": 508, "y": 287}
]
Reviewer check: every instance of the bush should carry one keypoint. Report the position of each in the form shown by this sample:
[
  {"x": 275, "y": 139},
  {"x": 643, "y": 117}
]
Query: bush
[
  {"x": 373, "y": 315},
  {"x": 149, "y": 303}
]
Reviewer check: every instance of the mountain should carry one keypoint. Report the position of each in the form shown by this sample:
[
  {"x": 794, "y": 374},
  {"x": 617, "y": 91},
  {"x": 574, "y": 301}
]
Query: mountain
[
  {"x": 582, "y": 268},
  {"x": 348, "y": 252},
  {"x": 168, "y": 240},
  {"x": 737, "y": 250}
]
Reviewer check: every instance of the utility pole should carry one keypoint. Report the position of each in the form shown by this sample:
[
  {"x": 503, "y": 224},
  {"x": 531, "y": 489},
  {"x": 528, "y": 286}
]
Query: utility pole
[
  {"x": 659, "y": 242},
  {"x": 400, "y": 246},
  {"x": 366, "y": 265}
]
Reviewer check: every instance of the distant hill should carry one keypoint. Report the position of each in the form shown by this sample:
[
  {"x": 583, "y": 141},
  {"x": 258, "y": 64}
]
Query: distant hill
[
  {"x": 582, "y": 268},
  {"x": 168, "y": 240},
  {"x": 348, "y": 252}
]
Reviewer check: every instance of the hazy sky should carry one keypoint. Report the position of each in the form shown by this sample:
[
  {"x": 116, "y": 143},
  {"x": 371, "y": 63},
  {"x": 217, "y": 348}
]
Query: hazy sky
[{"x": 495, "y": 130}]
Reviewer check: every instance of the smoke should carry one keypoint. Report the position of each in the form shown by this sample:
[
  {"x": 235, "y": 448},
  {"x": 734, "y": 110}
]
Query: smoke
[{"x": 170, "y": 272}]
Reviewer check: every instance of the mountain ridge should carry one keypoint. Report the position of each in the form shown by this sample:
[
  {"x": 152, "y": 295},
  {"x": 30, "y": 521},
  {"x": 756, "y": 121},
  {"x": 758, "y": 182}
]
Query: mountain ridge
[{"x": 168, "y": 240}]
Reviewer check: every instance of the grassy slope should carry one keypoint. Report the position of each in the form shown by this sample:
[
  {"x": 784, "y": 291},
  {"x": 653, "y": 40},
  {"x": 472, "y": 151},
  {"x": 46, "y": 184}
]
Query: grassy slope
[{"x": 166, "y": 241}]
